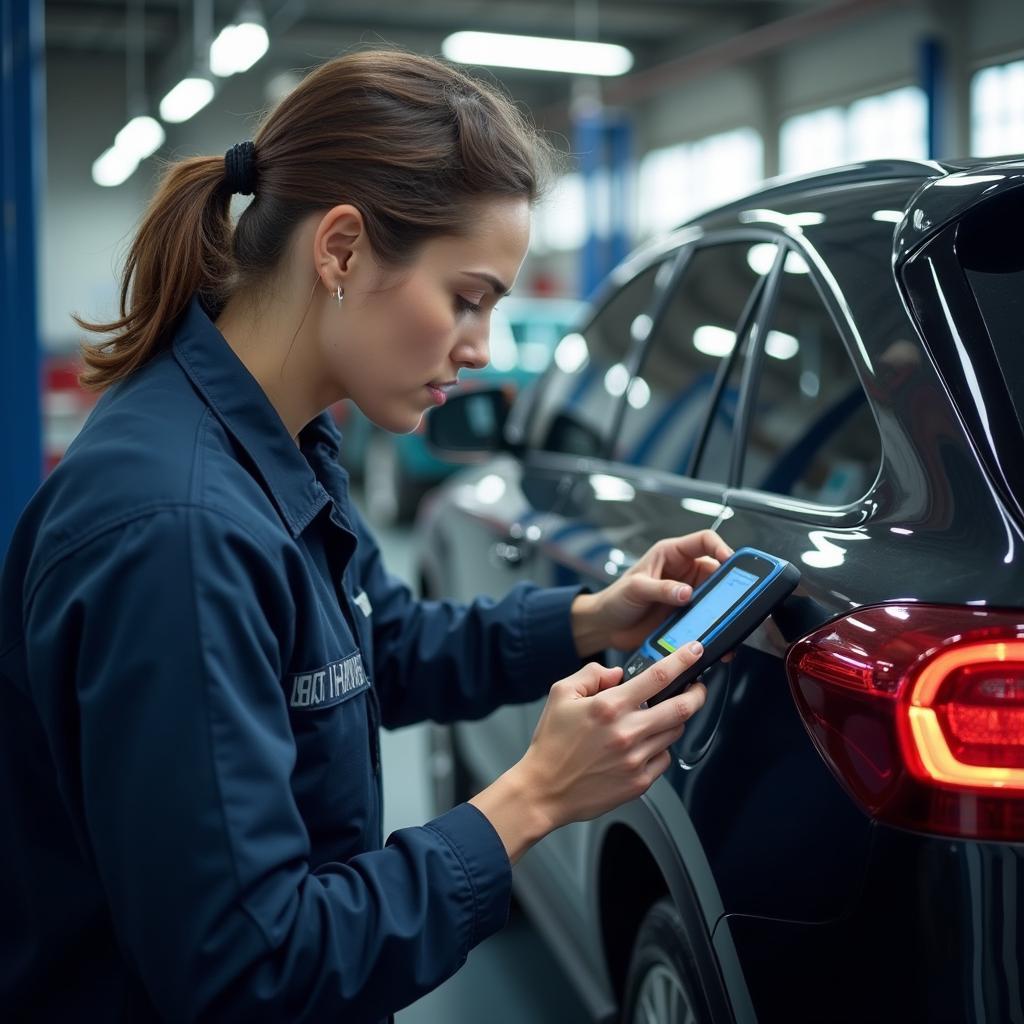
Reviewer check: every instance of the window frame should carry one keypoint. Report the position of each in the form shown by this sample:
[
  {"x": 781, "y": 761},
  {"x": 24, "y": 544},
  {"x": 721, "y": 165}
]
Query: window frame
[
  {"x": 680, "y": 246},
  {"x": 852, "y": 512},
  {"x": 671, "y": 249}
]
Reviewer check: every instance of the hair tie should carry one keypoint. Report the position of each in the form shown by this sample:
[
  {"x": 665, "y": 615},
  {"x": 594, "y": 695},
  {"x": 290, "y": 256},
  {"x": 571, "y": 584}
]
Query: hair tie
[{"x": 240, "y": 168}]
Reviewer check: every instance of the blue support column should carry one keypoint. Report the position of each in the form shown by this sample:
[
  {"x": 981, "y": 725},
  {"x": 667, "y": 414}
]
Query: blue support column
[
  {"x": 932, "y": 72},
  {"x": 22, "y": 137},
  {"x": 603, "y": 142}
]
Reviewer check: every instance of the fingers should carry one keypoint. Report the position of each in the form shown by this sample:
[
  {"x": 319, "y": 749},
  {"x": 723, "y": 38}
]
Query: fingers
[
  {"x": 589, "y": 680},
  {"x": 696, "y": 545},
  {"x": 655, "y": 678},
  {"x": 673, "y": 713},
  {"x": 654, "y": 745}
]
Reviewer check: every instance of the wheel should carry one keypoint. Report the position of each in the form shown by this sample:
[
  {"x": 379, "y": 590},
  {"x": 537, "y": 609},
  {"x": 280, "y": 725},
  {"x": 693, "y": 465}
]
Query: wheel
[
  {"x": 662, "y": 986},
  {"x": 391, "y": 494}
]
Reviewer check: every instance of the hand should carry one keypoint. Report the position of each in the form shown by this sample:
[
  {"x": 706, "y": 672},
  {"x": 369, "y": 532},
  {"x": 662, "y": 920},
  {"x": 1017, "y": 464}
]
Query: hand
[
  {"x": 594, "y": 748},
  {"x": 625, "y": 613}
]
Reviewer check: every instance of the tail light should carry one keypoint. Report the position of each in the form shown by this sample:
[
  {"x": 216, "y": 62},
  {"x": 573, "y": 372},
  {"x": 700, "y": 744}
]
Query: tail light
[{"x": 919, "y": 710}]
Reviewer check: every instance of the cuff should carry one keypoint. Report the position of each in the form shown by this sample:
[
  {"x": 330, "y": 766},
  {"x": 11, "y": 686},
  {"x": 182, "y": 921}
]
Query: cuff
[
  {"x": 549, "y": 648},
  {"x": 488, "y": 872}
]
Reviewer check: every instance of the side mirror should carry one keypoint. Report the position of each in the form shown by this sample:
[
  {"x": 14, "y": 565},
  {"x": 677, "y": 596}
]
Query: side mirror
[{"x": 469, "y": 425}]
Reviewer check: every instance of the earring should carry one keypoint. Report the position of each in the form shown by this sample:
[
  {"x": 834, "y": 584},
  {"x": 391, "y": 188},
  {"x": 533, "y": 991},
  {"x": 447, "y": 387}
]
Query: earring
[{"x": 339, "y": 295}]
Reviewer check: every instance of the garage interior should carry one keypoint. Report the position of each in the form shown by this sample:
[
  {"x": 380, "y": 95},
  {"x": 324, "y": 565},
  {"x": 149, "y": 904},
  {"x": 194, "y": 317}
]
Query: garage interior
[{"x": 719, "y": 96}]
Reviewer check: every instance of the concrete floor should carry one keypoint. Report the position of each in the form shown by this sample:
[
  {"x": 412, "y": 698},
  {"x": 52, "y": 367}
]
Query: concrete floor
[{"x": 509, "y": 979}]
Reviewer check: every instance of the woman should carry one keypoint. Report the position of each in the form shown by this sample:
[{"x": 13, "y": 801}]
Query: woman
[{"x": 198, "y": 638}]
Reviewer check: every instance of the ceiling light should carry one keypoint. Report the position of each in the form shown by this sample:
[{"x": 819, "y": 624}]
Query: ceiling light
[
  {"x": 186, "y": 99},
  {"x": 113, "y": 167},
  {"x": 237, "y": 48},
  {"x": 713, "y": 340},
  {"x": 780, "y": 345},
  {"x": 142, "y": 136},
  {"x": 536, "y": 53}
]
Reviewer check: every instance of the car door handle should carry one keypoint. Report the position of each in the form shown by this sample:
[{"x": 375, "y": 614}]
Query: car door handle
[{"x": 509, "y": 552}]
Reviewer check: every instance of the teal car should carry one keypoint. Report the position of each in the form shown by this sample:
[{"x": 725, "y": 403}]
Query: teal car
[{"x": 397, "y": 469}]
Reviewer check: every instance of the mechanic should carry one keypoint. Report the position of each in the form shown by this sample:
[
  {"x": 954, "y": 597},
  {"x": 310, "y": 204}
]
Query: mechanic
[{"x": 198, "y": 638}]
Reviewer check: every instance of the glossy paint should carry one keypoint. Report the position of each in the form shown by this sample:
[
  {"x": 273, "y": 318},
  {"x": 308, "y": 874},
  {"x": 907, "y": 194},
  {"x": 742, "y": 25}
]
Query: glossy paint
[{"x": 831, "y": 915}]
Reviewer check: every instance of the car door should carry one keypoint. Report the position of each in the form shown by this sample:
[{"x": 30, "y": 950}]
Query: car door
[
  {"x": 805, "y": 458},
  {"x": 646, "y": 485}
]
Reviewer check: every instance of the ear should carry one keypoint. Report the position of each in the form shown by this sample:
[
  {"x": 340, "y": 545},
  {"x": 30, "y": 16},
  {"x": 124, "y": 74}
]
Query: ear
[{"x": 339, "y": 245}]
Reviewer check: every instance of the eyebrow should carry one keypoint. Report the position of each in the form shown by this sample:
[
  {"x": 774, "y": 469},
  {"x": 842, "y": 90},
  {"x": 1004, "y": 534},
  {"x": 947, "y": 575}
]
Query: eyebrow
[{"x": 498, "y": 288}]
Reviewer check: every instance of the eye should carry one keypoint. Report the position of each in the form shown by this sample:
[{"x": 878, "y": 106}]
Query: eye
[{"x": 465, "y": 306}]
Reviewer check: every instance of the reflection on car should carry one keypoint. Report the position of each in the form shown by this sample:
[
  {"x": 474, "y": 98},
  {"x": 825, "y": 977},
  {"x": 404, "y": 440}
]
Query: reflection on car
[{"x": 831, "y": 370}]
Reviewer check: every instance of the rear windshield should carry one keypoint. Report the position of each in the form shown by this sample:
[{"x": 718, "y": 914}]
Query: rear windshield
[{"x": 990, "y": 247}]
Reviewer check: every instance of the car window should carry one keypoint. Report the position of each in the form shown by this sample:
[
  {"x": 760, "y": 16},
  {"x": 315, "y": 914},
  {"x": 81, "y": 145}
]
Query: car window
[
  {"x": 811, "y": 433},
  {"x": 576, "y": 406},
  {"x": 669, "y": 399},
  {"x": 991, "y": 254}
]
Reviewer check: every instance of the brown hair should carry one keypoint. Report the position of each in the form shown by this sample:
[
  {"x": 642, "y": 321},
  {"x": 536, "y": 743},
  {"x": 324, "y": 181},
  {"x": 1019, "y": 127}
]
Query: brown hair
[{"x": 407, "y": 139}]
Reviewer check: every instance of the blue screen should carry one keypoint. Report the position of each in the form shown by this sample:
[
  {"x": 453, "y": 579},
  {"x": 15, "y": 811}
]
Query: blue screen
[{"x": 709, "y": 609}]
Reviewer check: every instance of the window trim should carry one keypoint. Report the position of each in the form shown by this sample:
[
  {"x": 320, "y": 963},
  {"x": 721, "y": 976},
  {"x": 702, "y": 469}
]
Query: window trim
[
  {"x": 757, "y": 498},
  {"x": 670, "y": 250},
  {"x": 680, "y": 246}
]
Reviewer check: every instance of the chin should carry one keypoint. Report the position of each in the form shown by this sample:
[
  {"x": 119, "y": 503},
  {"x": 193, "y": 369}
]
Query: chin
[{"x": 398, "y": 422}]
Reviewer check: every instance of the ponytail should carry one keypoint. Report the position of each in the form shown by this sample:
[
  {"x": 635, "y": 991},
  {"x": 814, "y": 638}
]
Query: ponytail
[{"x": 182, "y": 246}]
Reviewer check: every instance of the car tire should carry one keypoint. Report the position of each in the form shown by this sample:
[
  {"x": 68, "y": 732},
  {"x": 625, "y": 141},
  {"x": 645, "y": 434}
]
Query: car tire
[
  {"x": 391, "y": 494},
  {"x": 662, "y": 983}
]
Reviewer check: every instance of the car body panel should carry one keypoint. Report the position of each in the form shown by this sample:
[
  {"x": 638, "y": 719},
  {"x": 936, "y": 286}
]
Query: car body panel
[{"x": 766, "y": 835}]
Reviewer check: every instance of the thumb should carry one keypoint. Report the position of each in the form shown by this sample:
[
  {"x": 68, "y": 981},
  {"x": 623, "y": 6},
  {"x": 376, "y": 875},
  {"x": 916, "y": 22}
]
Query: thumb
[{"x": 648, "y": 590}]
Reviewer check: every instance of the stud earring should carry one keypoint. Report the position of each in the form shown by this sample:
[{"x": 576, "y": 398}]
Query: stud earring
[{"x": 339, "y": 295}]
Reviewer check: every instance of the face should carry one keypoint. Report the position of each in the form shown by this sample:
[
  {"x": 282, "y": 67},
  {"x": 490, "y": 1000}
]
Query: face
[{"x": 399, "y": 339}]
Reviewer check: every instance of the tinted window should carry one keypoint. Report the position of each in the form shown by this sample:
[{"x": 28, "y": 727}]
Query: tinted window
[
  {"x": 577, "y": 403},
  {"x": 811, "y": 432},
  {"x": 991, "y": 252},
  {"x": 668, "y": 401}
]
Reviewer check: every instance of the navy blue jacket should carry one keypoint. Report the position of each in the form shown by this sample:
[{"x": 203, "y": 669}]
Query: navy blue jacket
[{"x": 198, "y": 641}]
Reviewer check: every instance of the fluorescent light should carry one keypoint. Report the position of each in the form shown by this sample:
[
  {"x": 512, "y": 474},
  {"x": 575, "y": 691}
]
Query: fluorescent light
[
  {"x": 611, "y": 488},
  {"x": 780, "y": 345},
  {"x": 537, "y": 53},
  {"x": 490, "y": 489},
  {"x": 888, "y": 216},
  {"x": 571, "y": 353},
  {"x": 639, "y": 393},
  {"x": 641, "y": 327},
  {"x": 113, "y": 167},
  {"x": 713, "y": 341},
  {"x": 186, "y": 99},
  {"x": 616, "y": 379},
  {"x": 761, "y": 256},
  {"x": 237, "y": 48},
  {"x": 142, "y": 136}
]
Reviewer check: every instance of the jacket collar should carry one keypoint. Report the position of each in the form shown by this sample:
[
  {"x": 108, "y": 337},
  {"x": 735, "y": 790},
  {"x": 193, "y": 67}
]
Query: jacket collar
[{"x": 242, "y": 406}]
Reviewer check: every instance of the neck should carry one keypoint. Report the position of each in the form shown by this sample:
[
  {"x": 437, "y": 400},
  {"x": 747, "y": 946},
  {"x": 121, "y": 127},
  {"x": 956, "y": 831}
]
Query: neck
[{"x": 270, "y": 338}]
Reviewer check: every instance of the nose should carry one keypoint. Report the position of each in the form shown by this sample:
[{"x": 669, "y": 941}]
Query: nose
[{"x": 473, "y": 350}]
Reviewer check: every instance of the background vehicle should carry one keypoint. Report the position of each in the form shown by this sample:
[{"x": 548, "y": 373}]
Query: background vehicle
[
  {"x": 830, "y": 370},
  {"x": 396, "y": 470}
]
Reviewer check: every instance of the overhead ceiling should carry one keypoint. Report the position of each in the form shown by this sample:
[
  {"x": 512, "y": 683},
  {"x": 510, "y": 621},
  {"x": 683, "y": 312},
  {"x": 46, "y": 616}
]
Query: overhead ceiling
[{"x": 304, "y": 32}]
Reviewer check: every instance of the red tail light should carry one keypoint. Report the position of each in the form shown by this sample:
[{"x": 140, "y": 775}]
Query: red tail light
[{"x": 919, "y": 710}]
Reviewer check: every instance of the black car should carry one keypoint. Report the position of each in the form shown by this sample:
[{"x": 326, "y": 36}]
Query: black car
[{"x": 831, "y": 370}]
